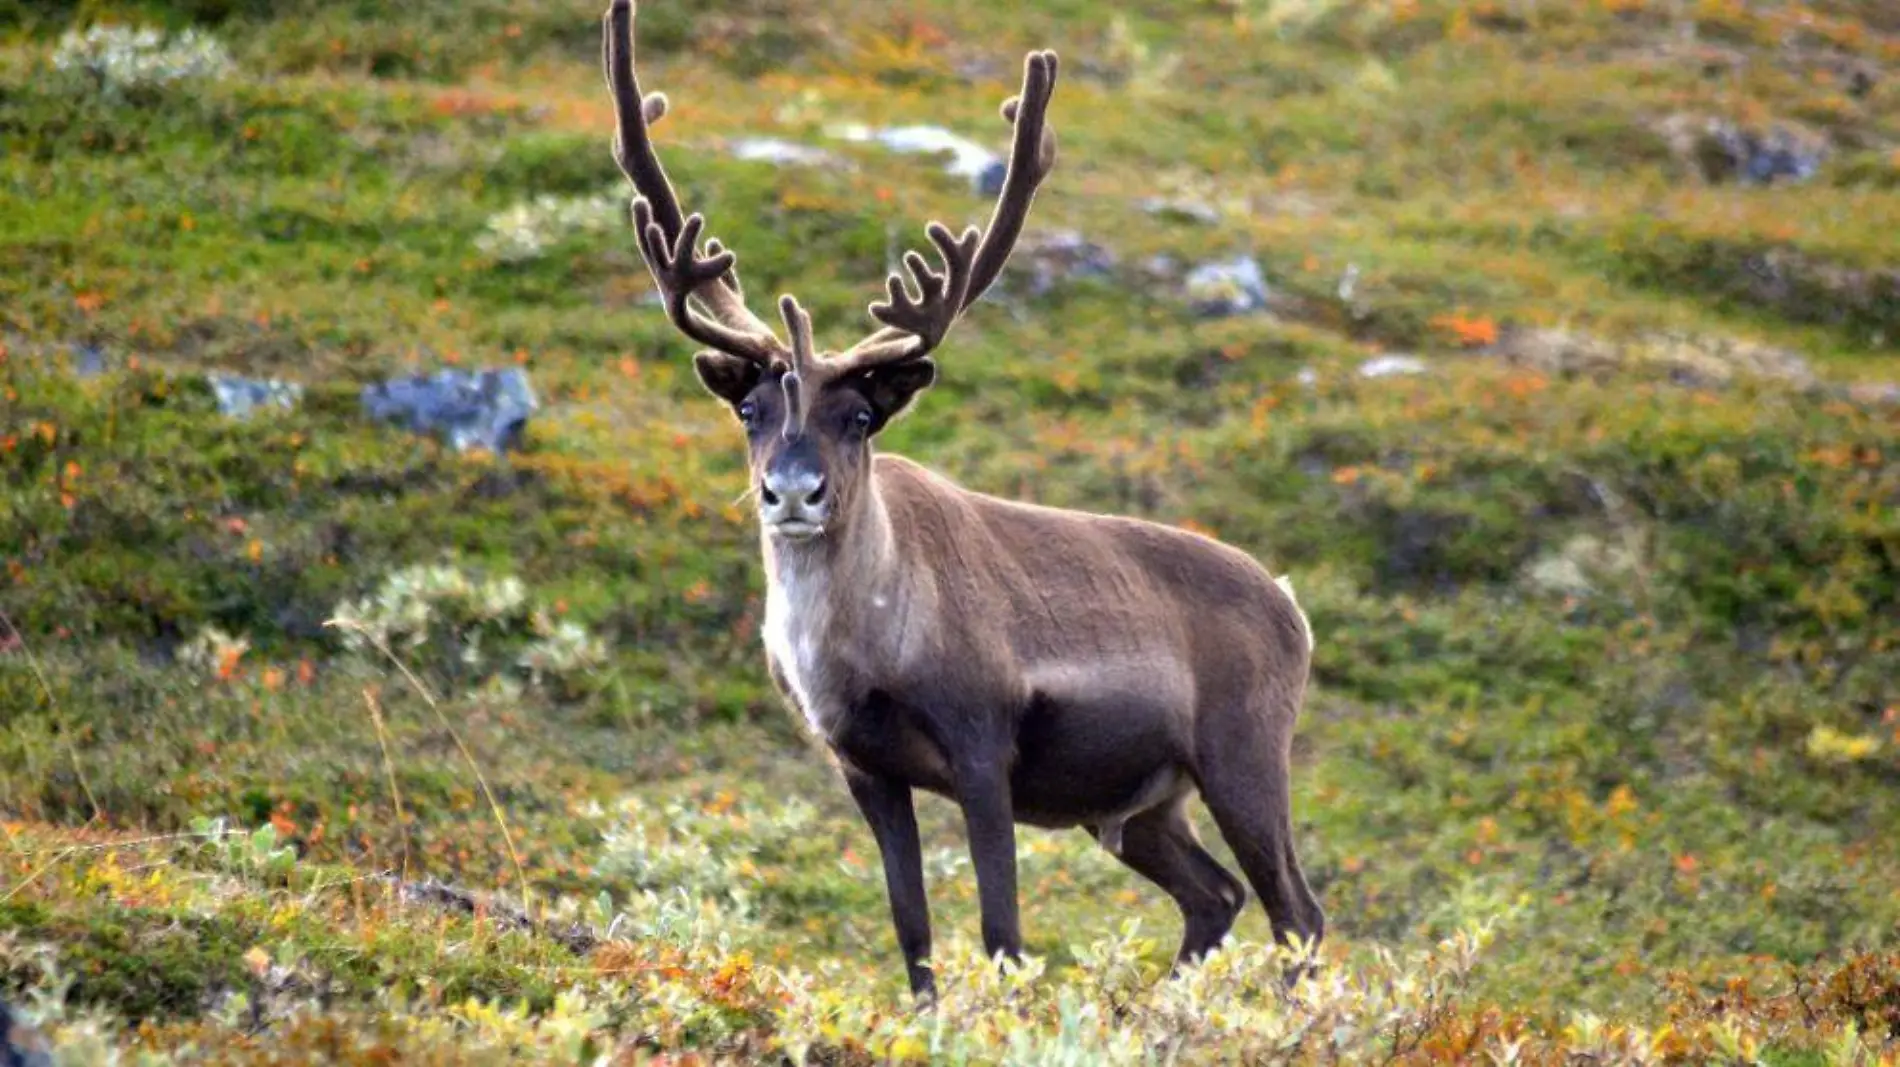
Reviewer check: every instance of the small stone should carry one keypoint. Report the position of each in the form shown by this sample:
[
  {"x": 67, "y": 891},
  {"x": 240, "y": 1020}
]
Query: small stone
[
  {"x": 1227, "y": 287},
  {"x": 486, "y": 409},
  {"x": 88, "y": 361},
  {"x": 1391, "y": 366},
  {"x": 1161, "y": 267},
  {"x": 238, "y": 396}
]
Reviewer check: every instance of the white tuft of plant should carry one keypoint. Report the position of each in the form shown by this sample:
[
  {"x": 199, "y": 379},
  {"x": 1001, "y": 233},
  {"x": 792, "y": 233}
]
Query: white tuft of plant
[
  {"x": 526, "y": 231},
  {"x": 715, "y": 854},
  {"x": 465, "y": 628},
  {"x": 213, "y": 653},
  {"x": 126, "y": 61}
]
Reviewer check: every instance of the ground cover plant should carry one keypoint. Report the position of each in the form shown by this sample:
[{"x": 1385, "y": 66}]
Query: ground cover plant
[{"x": 1566, "y": 399}]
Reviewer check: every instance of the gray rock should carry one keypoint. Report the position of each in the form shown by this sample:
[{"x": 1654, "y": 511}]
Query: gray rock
[
  {"x": 469, "y": 409},
  {"x": 238, "y": 397},
  {"x": 1161, "y": 267},
  {"x": 83, "y": 360},
  {"x": 22, "y": 1044},
  {"x": 1391, "y": 366},
  {"x": 1721, "y": 150},
  {"x": 989, "y": 180},
  {"x": 1063, "y": 255},
  {"x": 778, "y": 152},
  {"x": 88, "y": 360},
  {"x": 1227, "y": 287}
]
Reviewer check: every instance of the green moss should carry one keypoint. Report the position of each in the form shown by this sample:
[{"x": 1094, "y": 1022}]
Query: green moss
[{"x": 139, "y": 963}]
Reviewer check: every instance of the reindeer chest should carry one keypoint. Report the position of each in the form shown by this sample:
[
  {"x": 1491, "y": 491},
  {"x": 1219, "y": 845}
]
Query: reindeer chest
[{"x": 809, "y": 654}]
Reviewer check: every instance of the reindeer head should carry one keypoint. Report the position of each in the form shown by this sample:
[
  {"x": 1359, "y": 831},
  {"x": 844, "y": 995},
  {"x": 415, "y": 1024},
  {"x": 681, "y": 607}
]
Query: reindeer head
[{"x": 809, "y": 417}]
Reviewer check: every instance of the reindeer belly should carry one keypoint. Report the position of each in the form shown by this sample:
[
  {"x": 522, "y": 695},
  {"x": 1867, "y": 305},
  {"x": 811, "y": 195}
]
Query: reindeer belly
[{"x": 1094, "y": 754}]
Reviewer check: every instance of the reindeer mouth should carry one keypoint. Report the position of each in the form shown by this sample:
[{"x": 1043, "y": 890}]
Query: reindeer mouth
[{"x": 796, "y": 529}]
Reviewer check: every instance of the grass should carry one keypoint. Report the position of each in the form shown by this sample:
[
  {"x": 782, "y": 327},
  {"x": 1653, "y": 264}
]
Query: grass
[{"x": 1603, "y": 752}]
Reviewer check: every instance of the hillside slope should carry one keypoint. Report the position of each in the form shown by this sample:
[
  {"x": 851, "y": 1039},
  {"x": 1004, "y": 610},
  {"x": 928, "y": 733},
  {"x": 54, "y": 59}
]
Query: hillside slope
[{"x": 1565, "y": 394}]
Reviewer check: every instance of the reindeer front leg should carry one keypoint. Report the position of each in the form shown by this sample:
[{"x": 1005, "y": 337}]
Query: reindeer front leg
[
  {"x": 982, "y": 785},
  {"x": 886, "y": 805}
]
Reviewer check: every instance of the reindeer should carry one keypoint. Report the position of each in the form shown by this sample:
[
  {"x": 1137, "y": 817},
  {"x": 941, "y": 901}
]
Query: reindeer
[{"x": 1034, "y": 665}]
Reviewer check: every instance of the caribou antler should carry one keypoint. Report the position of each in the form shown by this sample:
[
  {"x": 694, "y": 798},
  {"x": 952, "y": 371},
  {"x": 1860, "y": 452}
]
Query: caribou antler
[
  {"x": 914, "y": 326},
  {"x": 668, "y": 239}
]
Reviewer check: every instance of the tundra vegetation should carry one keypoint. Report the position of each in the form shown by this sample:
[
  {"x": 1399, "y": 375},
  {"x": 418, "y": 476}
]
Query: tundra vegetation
[{"x": 1563, "y": 390}]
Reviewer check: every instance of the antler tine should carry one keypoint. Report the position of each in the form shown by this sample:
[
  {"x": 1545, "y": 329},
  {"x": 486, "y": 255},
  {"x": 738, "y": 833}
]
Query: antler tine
[
  {"x": 1032, "y": 156},
  {"x": 798, "y": 325},
  {"x": 731, "y": 277},
  {"x": 669, "y": 239},
  {"x": 802, "y": 377},
  {"x": 912, "y": 327}
]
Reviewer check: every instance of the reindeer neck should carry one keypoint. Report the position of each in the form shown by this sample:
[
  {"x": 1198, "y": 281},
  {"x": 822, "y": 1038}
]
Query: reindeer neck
[
  {"x": 837, "y": 578},
  {"x": 829, "y": 611}
]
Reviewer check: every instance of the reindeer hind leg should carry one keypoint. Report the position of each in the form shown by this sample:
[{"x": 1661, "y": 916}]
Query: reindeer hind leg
[
  {"x": 1160, "y": 845},
  {"x": 1244, "y": 775}
]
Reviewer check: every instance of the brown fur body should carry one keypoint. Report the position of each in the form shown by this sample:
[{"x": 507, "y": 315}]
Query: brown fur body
[{"x": 977, "y": 605}]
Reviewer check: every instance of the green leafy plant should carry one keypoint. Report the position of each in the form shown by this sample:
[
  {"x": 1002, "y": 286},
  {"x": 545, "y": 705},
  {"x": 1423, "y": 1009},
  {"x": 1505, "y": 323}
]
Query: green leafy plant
[
  {"x": 465, "y": 629},
  {"x": 139, "y": 63}
]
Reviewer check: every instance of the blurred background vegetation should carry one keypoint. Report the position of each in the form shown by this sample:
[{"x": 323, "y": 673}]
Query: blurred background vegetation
[{"x": 1550, "y": 347}]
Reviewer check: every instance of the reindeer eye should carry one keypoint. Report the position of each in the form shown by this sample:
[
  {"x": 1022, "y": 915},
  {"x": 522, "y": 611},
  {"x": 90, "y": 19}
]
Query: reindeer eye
[
  {"x": 748, "y": 413},
  {"x": 862, "y": 420}
]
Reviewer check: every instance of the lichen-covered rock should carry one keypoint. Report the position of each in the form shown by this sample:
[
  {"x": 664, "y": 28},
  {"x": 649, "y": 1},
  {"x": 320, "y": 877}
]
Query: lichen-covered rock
[
  {"x": 1053, "y": 257},
  {"x": 1689, "y": 359},
  {"x": 485, "y": 409},
  {"x": 1556, "y": 352},
  {"x": 1226, "y": 287},
  {"x": 1721, "y": 151},
  {"x": 1700, "y": 360}
]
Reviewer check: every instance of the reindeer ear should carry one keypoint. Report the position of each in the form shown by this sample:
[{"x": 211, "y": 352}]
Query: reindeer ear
[
  {"x": 727, "y": 377},
  {"x": 891, "y": 387}
]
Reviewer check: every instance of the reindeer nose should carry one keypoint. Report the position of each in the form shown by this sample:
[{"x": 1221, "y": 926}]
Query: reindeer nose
[{"x": 797, "y": 490}]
